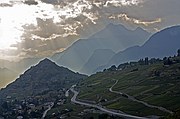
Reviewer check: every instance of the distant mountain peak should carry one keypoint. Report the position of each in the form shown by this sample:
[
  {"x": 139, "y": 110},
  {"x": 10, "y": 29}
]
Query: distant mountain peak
[
  {"x": 139, "y": 29},
  {"x": 110, "y": 25},
  {"x": 46, "y": 60},
  {"x": 3, "y": 68},
  {"x": 45, "y": 65},
  {"x": 116, "y": 26},
  {"x": 115, "y": 37}
]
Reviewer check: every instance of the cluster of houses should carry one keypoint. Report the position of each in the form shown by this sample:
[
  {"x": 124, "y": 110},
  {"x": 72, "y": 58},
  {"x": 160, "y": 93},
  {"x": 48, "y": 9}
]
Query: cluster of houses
[{"x": 31, "y": 107}]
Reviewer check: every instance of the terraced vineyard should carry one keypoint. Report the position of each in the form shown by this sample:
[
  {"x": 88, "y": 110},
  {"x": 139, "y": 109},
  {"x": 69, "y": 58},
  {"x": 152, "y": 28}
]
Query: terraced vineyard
[{"x": 156, "y": 84}]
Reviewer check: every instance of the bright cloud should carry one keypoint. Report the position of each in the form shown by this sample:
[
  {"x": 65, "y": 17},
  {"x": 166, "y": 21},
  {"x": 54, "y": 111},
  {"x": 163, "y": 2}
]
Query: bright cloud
[
  {"x": 132, "y": 20},
  {"x": 119, "y": 3}
]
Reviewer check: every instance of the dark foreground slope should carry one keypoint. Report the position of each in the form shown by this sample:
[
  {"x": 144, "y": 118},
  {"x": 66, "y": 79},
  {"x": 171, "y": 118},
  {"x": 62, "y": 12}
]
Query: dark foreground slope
[{"x": 43, "y": 77}]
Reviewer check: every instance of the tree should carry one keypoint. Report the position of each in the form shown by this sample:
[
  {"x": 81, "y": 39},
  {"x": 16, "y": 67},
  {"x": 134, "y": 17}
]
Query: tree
[
  {"x": 178, "y": 53},
  {"x": 168, "y": 61},
  {"x": 146, "y": 61},
  {"x": 157, "y": 73},
  {"x": 103, "y": 116},
  {"x": 112, "y": 68},
  {"x": 91, "y": 117},
  {"x": 165, "y": 58},
  {"x": 5, "y": 105},
  {"x": 122, "y": 66},
  {"x": 104, "y": 70},
  {"x": 141, "y": 62}
]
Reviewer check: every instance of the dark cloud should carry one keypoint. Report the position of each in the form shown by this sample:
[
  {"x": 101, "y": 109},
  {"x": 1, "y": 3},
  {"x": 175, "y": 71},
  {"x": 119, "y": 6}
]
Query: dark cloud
[
  {"x": 54, "y": 2},
  {"x": 5, "y": 5},
  {"x": 45, "y": 28},
  {"x": 31, "y": 2}
]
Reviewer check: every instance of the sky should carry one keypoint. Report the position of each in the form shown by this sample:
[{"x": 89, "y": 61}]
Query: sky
[{"x": 40, "y": 28}]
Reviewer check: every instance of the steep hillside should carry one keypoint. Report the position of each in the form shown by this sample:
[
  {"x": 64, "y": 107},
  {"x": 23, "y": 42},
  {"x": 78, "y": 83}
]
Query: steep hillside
[
  {"x": 43, "y": 77},
  {"x": 136, "y": 88}
]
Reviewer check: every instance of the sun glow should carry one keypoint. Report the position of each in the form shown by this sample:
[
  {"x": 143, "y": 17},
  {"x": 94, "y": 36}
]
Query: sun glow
[
  {"x": 15, "y": 14},
  {"x": 12, "y": 20}
]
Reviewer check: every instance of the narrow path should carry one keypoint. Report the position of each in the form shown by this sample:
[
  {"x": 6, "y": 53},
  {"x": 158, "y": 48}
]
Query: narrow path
[
  {"x": 67, "y": 93},
  {"x": 149, "y": 90},
  {"x": 121, "y": 114},
  {"x": 139, "y": 101},
  {"x": 45, "y": 112}
]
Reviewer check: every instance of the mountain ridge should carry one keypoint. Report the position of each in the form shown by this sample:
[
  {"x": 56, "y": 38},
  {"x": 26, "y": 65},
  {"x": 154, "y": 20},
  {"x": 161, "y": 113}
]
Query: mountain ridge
[
  {"x": 163, "y": 43},
  {"x": 99, "y": 57},
  {"x": 114, "y": 38}
]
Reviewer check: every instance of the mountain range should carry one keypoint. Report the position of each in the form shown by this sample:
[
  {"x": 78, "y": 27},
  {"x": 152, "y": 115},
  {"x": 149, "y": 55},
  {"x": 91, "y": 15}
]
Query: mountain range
[
  {"x": 96, "y": 53},
  {"x": 83, "y": 53},
  {"x": 112, "y": 37},
  {"x": 161, "y": 44},
  {"x": 113, "y": 45}
]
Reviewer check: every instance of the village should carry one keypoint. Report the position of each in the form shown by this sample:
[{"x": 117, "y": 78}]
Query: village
[{"x": 33, "y": 107}]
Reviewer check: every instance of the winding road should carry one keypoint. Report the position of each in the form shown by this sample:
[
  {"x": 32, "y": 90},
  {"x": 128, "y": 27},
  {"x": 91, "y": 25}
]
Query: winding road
[
  {"x": 139, "y": 101},
  {"x": 121, "y": 114},
  {"x": 45, "y": 112}
]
